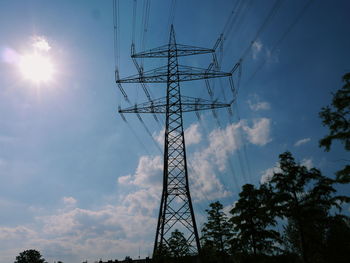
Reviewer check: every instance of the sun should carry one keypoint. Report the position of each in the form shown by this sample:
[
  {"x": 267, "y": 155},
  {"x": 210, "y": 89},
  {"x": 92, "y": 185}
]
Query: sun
[{"x": 36, "y": 67}]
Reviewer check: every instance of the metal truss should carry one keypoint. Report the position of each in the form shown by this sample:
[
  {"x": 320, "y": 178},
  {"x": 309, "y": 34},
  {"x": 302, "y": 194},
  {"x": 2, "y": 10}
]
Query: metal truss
[
  {"x": 181, "y": 50},
  {"x": 176, "y": 210},
  {"x": 188, "y": 104},
  {"x": 185, "y": 73}
]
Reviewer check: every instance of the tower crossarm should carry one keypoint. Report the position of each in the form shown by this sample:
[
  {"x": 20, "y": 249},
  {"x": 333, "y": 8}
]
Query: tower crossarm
[
  {"x": 185, "y": 73},
  {"x": 181, "y": 50},
  {"x": 187, "y": 103}
]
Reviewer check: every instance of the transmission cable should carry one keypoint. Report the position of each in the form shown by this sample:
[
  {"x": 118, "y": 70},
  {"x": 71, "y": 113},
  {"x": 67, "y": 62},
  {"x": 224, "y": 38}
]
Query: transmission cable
[
  {"x": 270, "y": 15},
  {"x": 284, "y": 35}
]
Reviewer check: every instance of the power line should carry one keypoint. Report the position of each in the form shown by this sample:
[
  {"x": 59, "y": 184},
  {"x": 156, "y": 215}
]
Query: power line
[
  {"x": 134, "y": 9},
  {"x": 270, "y": 15},
  {"x": 284, "y": 35}
]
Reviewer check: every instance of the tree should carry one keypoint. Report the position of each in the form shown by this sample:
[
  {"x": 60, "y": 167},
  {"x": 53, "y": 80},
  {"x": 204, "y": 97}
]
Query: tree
[
  {"x": 252, "y": 216},
  {"x": 337, "y": 118},
  {"x": 305, "y": 197},
  {"x": 30, "y": 256},
  {"x": 338, "y": 240},
  {"x": 178, "y": 244},
  {"x": 162, "y": 253},
  {"x": 216, "y": 232}
]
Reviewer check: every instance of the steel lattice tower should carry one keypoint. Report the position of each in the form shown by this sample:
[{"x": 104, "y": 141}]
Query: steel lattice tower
[{"x": 176, "y": 210}]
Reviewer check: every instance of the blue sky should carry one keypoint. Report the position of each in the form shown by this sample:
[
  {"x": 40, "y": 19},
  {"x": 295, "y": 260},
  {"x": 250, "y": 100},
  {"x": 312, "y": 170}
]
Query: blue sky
[{"x": 78, "y": 183}]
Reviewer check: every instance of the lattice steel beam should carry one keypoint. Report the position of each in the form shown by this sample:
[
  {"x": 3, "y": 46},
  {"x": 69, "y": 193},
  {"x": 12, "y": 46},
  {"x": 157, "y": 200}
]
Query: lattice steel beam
[
  {"x": 185, "y": 73},
  {"x": 181, "y": 50},
  {"x": 188, "y": 104}
]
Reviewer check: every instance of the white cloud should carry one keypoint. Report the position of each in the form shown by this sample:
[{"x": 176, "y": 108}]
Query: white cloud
[
  {"x": 222, "y": 143},
  {"x": 148, "y": 172},
  {"x": 214, "y": 158},
  {"x": 259, "y": 134},
  {"x": 144, "y": 201},
  {"x": 307, "y": 162},
  {"x": 192, "y": 134},
  {"x": 262, "y": 105},
  {"x": 256, "y": 104},
  {"x": 112, "y": 231},
  {"x": 301, "y": 142},
  {"x": 159, "y": 137},
  {"x": 268, "y": 173},
  {"x": 69, "y": 201},
  {"x": 205, "y": 184},
  {"x": 40, "y": 43},
  {"x": 256, "y": 48},
  {"x": 126, "y": 179},
  {"x": 148, "y": 179},
  {"x": 14, "y": 233},
  {"x": 206, "y": 163}
]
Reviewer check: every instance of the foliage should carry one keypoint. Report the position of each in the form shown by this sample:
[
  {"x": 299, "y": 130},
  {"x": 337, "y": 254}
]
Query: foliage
[
  {"x": 178, "y": 244},
  {"x": 252, "y": 216},
  {"x": 338, "y": 240},
  {"x": 305, "y": 197},
  {"x": 216, "y": 231},
  {"x": 30, "y": 256},
  {"x": 161, "y": 253},
  {"x": 337, "y": 118}
]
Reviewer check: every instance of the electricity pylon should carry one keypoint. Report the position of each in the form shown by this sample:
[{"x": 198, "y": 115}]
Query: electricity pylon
[{"x": 176, "y": 210}]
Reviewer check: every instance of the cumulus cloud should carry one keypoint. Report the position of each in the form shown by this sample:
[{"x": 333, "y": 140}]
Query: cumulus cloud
[
  {"x": 148, "y": 172},
  {"x": 268, "y": 173},
  {"x": 256, "y": 48},
  {"x": 192, "y": 135},
  {"x": 222, "y": 143},
  {"x": 159, "y": 137},
  {"x": 205, "y": 182},
  {"x": 256, "y": 104},
  {"x": 301, "y": 142},
  {"x": 145, "y": 201},
  {"x": 75, "y": 234},
  {"x": 111, "y": 231},
  {"x": 148, "y": 182},
  {"x": 15, "y": 233},
  {"x": 40, "y": 43},
  {"x": 69, "y": 201},
  {"x": 259, "y": 133},
  {"x": 125, "y": 180},
  {"x": 209, "y": 162},
  {"x": 71, "y": 233},
  {"x": 307, "y": 162}
]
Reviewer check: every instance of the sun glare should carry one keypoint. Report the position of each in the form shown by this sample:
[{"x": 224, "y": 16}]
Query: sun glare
[{"x": 36, "y": 67}]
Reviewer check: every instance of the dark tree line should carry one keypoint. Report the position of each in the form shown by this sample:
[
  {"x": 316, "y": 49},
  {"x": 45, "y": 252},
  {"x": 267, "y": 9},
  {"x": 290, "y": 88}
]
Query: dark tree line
[{"x": 296, "y": 216}]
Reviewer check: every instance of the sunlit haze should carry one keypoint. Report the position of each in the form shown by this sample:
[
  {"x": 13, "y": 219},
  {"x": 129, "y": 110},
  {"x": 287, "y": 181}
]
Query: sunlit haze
[{"x": 36, "y": 67}]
